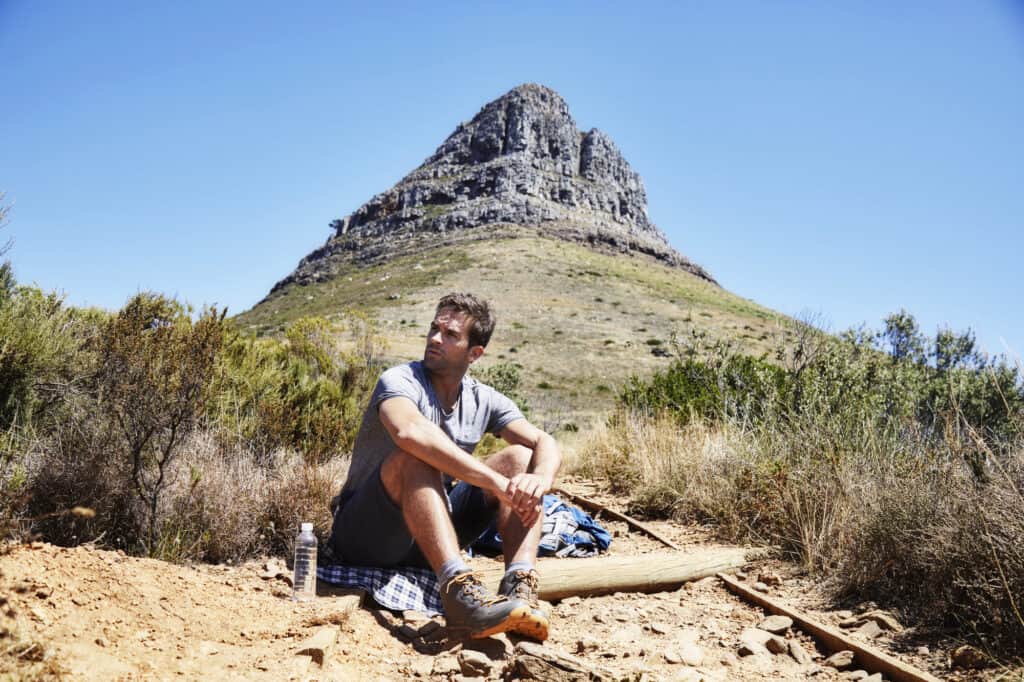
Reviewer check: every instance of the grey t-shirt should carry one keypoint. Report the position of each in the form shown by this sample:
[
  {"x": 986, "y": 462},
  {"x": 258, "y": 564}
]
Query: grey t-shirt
[{"x": 480, "y": 409}]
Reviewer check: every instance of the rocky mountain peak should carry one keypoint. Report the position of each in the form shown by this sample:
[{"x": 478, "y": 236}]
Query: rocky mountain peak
[{"x": 521, "y": 162}]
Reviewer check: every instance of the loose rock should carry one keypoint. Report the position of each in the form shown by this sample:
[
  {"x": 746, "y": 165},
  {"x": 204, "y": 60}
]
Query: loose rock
[
  {"x": 968, "y": 657},
  {"x": 776, "y": 625},
  {"x": 798, "y": 653},
  {"x": 691, "y": 654},
  {"x": 752, "y": 649},
  {"x": 760, "y": 586},
  {"x": 885, "y": 620},
  {"x": 443, "y": 665},
  {"x": 840, "y": 660},
  {"x": 474, "y": 664},
  {"x": 776, "y": 645},
  {"x": 856, "y": 675},
  {"x": 869, "y": 630}
]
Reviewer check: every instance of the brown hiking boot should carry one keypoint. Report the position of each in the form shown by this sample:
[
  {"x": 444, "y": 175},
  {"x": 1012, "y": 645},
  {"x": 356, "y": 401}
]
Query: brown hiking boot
[
  {"x": 522, "y": 585},
  {"x": 470, "y": 609}
]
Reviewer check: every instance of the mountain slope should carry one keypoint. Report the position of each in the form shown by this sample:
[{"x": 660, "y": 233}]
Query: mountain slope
[{"x": 578, "y": 322}]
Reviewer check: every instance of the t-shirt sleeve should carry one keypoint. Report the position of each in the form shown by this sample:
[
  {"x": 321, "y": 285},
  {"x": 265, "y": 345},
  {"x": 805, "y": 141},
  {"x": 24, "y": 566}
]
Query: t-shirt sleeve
[
  {"x": 503, "y": 413},
  {"x": 396, "y": 382}
]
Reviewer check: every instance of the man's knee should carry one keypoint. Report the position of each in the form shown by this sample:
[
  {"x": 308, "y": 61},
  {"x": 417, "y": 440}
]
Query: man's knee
[
  {"x": 401, "y": 470},
  {"x": 515, "y": 459}
]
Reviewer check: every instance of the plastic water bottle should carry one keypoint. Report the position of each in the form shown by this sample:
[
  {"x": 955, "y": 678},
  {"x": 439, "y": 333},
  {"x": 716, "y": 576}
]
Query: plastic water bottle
[{"x": 304, "y": 582}]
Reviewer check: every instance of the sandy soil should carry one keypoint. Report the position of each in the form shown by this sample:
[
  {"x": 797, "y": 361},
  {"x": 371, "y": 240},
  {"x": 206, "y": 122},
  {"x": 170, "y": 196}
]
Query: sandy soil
[{"x": 101, "y": 615}]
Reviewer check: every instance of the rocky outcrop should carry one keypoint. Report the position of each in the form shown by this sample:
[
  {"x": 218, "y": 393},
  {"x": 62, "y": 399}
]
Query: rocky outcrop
[{"x": 521, "y": 162}]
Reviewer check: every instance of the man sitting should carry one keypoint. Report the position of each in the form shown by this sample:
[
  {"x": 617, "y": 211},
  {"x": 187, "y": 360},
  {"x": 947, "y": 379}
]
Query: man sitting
[{"x": 401, "y": 506}]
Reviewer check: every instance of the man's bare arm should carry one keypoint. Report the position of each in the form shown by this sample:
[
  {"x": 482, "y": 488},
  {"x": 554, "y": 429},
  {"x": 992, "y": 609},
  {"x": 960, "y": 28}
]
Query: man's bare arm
[
  {"x": 526, "y": 490},
  {"x": 415, "y": 434}
]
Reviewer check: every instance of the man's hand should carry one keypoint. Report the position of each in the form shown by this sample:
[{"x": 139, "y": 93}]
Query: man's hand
[{"x": 526, "y": 496}]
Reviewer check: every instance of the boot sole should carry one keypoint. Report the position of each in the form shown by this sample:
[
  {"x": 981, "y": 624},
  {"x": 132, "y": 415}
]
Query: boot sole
[{"x": 521, "y": 621}]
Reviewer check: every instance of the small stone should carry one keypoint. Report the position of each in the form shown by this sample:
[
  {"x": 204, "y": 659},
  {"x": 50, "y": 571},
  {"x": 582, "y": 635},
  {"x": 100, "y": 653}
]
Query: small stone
[
  {"x": 672, "y": 656},
  {"x": 586, "y": 644},
  {"x": 855, "y": 675},
  {"x": 760, "y": 586},
  {"x": 443, "y": 665},
  {"x": 691, "y": 654},
  {"x": 740, "y": 575},
  {"x": 660, "y": 628},
  {"x": 923, "y": 651},
  {"x": 571, "y": 601},
  {"x": 776, "y": 625},
  {"x": 840, "y": 660},
  {"x": 600, "y": 618},
  {"x": 474, "y": 663},
  {"x": 752, "y": 649},
  {"x": 769, "y": 578},
  {"x": 776, "y": 645},
  {"x": 885, "y": 620},
  {"x": 869, "y": 630},
  {"x": 423, "y": 666},
  {"x": 755, "y": 635},
  {"x": 798, "y": 653},
  {"x": 842, "y": 615},
  {"x": 877, "y": 677},
  {"x": 968, "y": 657},
  {"x": 851, "y": 622}
]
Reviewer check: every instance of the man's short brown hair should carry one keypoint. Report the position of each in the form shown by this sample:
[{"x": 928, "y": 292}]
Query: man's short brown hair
[{"x": 476, "y": 308}]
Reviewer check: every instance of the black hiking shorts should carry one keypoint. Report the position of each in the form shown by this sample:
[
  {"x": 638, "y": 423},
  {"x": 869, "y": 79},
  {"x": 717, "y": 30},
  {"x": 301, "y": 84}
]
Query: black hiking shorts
[{"x": 369, "y": 529}]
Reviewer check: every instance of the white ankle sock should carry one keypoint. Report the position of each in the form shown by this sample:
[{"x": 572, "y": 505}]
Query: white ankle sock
[
  {"x": 519, "y": 566},
  {"x": 450, "y": 569}
]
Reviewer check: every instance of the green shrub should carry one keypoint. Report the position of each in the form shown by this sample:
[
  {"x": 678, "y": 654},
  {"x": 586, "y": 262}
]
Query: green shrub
[
  {"x": 505, "y": 378},
  {"x": 887, "y": 461},
  {"x": 305, "y": 393}
]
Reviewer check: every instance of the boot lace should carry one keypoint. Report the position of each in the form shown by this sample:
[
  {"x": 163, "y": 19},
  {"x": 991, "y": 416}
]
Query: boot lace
[
  {"x": 473, "y": 589},
  {"x": 525, "y": 586}
]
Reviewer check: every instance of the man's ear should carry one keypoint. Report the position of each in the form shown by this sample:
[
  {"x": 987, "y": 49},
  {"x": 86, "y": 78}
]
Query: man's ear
[{"x": 475, "y": 353}]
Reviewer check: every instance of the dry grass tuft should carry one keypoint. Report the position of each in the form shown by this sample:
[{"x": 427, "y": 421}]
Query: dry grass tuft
[{"x": 888, "y": 518}]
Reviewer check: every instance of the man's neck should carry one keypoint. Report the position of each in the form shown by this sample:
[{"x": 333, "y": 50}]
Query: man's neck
[{"x": 446, "y": 386}]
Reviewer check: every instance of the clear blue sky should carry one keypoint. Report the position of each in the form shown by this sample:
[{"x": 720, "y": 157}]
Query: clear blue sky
[{"x": 843, "y": 158}]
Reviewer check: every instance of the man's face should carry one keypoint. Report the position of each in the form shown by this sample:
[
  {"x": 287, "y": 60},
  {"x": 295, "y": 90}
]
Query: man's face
[{"x": 448, "y": 347}]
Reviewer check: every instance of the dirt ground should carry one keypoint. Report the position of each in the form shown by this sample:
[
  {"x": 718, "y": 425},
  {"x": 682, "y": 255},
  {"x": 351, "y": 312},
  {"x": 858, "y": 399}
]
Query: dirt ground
[{"x": 92, "y": 614}]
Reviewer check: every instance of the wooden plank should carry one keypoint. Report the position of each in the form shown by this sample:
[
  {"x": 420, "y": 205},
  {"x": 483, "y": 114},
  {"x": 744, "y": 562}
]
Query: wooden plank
[
  {"x": 866, "y": 657},
  {"x": 560, "y": 578},
  {"x": 598, "y": 508}
]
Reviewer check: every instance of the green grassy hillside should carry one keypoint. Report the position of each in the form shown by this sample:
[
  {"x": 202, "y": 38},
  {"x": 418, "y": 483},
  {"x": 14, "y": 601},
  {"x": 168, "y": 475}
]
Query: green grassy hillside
[{"x": 576, "y": 321}]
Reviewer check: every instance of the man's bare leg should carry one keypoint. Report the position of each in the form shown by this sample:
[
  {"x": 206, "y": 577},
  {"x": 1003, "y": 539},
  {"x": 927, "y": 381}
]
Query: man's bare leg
[
  {"x": 417, "y": 488},
  {"x": 519, "y": 544}
]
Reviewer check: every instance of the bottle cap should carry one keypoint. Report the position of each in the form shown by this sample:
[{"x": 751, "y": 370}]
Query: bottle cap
[{"x": 307, "y": 528}]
